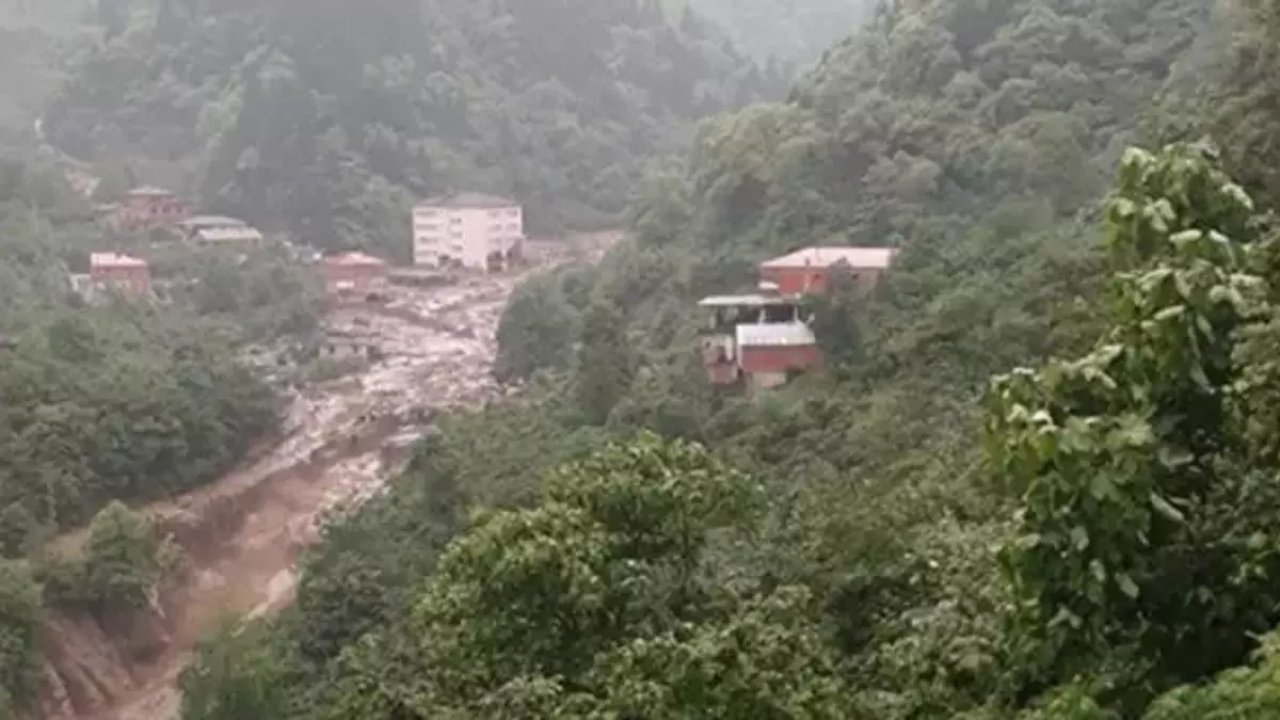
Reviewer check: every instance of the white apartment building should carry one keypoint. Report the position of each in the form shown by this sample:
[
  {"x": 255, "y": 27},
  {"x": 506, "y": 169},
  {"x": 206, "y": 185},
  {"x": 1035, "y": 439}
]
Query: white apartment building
[{"x": 470, "y": 230}]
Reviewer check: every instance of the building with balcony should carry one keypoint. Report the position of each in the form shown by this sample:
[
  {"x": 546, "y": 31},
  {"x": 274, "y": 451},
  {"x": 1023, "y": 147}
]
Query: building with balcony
[
  {"x": 148, "y": 207},
  {"x": 110, "y": 272},
  {"x": 758, "y": 340},
  {"x": 468, "y": 230}
]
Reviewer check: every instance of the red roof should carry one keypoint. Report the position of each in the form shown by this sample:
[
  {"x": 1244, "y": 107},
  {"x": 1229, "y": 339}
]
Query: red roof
[
  {"x": 112, "y": 260},
  {"x": 858, "y": 258},
  {"x": 355, "y": 259}
]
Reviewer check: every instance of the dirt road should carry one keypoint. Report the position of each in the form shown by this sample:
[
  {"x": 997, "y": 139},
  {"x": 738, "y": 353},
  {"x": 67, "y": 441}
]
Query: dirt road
[{"x": 244, "y": 534}]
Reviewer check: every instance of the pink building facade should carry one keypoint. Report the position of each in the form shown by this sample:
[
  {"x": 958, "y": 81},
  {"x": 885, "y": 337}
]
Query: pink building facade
[
  {"x": 354, "y": 274},
  {"x": 468, "y": 230},
  {"x": 119, "y": 273},
  {"x": 147, "y": 207}
]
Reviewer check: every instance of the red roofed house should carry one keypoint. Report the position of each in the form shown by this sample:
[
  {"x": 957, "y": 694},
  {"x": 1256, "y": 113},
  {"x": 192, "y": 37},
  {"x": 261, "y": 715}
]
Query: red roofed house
[
  {"x": 760, "y": 339},
  {"x": 149, "y": 207},
  {"x": 355, "y": 274},
  {"x": 808, "y": 271},
  {"x": 109, "y": 271}
]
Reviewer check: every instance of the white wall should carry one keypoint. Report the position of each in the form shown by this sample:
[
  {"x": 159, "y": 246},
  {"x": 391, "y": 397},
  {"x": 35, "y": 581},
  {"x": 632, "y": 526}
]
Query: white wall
[{"x": 467, "y": 235}]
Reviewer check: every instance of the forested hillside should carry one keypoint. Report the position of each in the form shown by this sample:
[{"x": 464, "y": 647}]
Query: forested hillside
[
  {"x": 781, "y": 30},
  {"x": 1085, "y": 538},
  {"x": 128, "y": 401},
  {"x": 32, "y": 36},
  {"x": 328, "y": 119}
]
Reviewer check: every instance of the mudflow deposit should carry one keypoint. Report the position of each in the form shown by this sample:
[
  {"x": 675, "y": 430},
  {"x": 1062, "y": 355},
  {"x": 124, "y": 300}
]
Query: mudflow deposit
[{"x": 243, "y": 535}]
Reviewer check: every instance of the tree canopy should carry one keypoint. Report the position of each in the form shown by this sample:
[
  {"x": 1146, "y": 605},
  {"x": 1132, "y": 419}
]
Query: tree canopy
[
  {"x": 328, "y": 119},
  {"x": 1038, "y": 482}
]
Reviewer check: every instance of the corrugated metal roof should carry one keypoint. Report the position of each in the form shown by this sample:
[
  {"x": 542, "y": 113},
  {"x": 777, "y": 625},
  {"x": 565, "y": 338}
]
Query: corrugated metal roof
[
  {"x": 468, "y": 200},
  {"x": 212, "y": 221},
  {"x": 113, "y": 260},
  {"x": 869, "y": 258},
  {"x": 775, "y": 335},
  {"x": 229, "y": 234},
  {"x": 742, "y": 301}
]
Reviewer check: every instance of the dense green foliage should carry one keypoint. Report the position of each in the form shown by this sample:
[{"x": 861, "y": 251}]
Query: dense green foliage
[
  {"x": 263, "y": 296},
  {"x": 328, "y": 119},
  {"x": 1247, "y": 693},
  {"x": 128, "y": 400},
  {"x": 235, "y": 679},
  {"x": 536, "y": 332},
  {"x": 1145, "y": 521},
  {"x": 848, "y": 546},
  {"x": 1244, "y": 102},
  {"x": 604, "y": 369},
  {"x": 19, "y": 613},
  {"x": 123, "y": 560},
  {"x": 117, "y": 402}
]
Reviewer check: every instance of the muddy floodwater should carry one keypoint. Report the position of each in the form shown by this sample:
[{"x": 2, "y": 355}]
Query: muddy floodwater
[{"x": 244, "y": 534}]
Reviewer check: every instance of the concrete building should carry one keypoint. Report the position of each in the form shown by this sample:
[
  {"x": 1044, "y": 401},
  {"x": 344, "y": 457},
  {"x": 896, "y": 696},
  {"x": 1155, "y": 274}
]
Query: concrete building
[
  {"x": 147, "y": 206},
  {"x": 758, "y": 340},
  {"x": 119, "y": 273},
  {"x": 468, "y": 230},
  {"x": 769, "y": 354},
  {"x": 808, "y": 271},
  {"x": 355, "y": 275}
]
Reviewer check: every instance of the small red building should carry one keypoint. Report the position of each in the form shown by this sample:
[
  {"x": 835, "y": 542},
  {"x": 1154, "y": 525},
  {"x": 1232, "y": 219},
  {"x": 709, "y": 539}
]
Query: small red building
[
  {"x": 355, "y": 274},
  {"x": 148, "y": 206},
  {"x": 770, "y": 353},
  {"x": 121, "y": 273},
  {"x": 808, "y": 271}
]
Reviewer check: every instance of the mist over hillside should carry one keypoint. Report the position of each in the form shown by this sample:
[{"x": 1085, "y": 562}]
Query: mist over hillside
[{"x": 327, "y": 119}]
